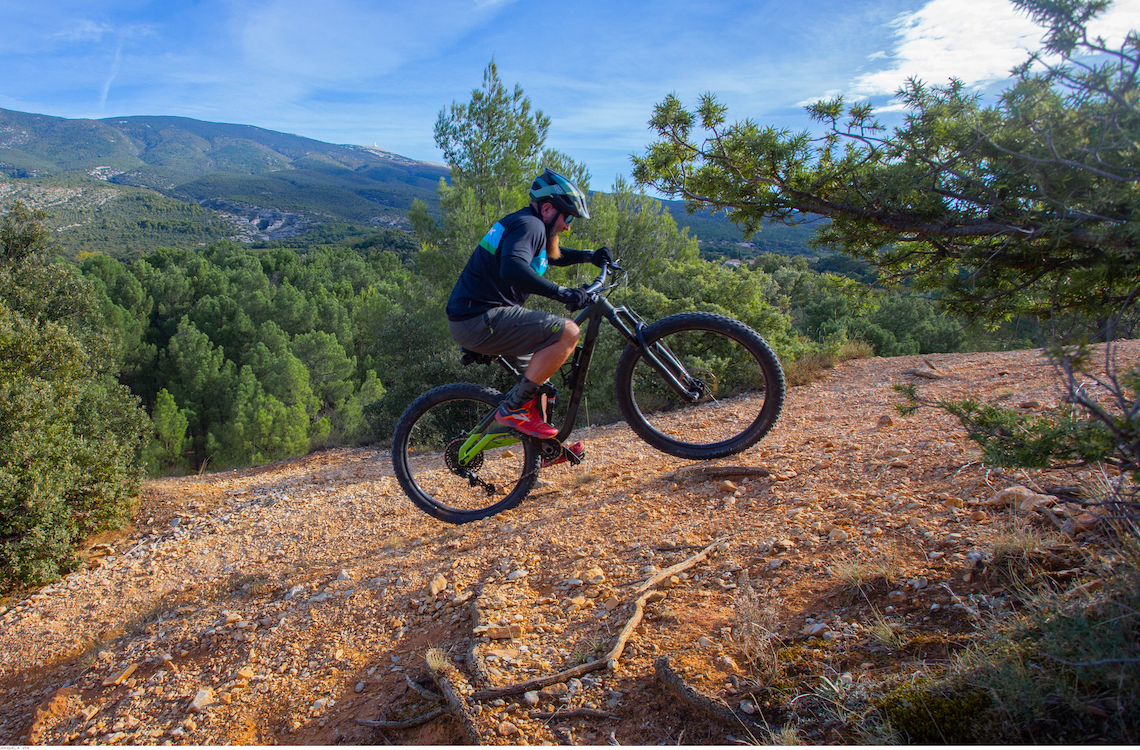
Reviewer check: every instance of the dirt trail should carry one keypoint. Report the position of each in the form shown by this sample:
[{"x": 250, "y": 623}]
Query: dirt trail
[{"x": 289, "y": 599}]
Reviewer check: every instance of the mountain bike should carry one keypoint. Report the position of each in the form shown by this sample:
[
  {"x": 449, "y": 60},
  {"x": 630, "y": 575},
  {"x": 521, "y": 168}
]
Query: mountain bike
[{"x": 694, "y": 385}]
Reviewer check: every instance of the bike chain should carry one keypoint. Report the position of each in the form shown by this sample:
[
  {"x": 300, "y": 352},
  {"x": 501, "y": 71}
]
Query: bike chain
[{"x": 451, "y": 458}]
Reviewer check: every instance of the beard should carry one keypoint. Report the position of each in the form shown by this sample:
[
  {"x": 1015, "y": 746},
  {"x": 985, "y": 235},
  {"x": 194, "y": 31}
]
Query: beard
[{"x": 553, "y": 251}]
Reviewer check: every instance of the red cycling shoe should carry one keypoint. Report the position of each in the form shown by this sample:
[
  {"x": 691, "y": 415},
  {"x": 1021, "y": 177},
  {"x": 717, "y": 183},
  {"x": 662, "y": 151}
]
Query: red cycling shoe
[
  {"x": 526, "y": 419},
  {"x": 578, "y": 449}
]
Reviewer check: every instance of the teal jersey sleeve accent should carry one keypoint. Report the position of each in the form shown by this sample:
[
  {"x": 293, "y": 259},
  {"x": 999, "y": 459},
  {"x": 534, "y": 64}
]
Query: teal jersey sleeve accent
[
  {"x": 492, "y": 238},
  {"x": 540, "y": 263}
]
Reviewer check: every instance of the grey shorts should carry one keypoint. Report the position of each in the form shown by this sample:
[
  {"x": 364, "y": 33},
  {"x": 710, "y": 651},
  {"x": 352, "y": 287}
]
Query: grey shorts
[{"x": 512, "y": 331}]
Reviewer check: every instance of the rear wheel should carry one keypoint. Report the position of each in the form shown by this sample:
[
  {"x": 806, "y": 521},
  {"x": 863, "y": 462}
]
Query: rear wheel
[
  {"x": 426, "y": 456},
  {"x": 737, "y": 378}
]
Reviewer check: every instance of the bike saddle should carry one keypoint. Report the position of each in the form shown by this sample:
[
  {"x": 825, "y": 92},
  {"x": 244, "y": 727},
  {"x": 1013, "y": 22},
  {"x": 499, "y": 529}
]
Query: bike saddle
[{"x": 475, "y": 358}]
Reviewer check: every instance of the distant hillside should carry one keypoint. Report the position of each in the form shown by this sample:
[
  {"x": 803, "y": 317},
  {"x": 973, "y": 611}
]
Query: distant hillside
[
  {"x": 123, "y": 182},
  {"x": 124, "y": 185},
  {"x": 721, "y": 238}
]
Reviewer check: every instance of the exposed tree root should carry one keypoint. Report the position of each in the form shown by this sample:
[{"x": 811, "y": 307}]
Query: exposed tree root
[
  {"x": 474, "y": 659},
  {"x": 453, "y": 686},
  {"x": 717, "y": 711},
  {"x": 415, "y": 721},
  {"x": 610, "y": 659},
  {"x": 429, "y": 694},
  {"x": 717, "y": 472},
  {"x": 927, "y": 374},
  {"x": 577, "y": 713}
]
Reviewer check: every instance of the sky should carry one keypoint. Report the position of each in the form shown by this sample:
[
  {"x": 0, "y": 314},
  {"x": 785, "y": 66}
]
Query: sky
[{"x": 379, "y": 72}]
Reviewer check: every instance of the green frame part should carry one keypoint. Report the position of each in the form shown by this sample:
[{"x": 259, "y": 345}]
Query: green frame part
[{"x": 477, "y": 442}]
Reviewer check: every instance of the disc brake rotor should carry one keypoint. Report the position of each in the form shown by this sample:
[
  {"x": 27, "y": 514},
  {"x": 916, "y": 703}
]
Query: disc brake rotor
[{"x": 704, "y": 380}]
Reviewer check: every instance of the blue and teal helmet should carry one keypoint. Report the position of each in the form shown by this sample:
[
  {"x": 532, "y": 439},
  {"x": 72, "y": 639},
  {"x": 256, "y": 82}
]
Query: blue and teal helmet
[{"x": 562, "y": 194}]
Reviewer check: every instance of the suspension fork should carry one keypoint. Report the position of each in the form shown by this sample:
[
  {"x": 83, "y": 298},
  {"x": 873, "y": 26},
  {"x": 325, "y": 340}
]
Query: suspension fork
[{"x": 657, "y": 354}]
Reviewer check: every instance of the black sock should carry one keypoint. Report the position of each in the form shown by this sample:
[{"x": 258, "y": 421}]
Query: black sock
[{"x": 521, "y": 393}]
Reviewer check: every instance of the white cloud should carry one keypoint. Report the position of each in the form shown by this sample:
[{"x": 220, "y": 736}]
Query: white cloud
[
  {"x": 110, "y": 78},
  {"x": 86, "y": 30},
  {"x": 976, "y": 41}
]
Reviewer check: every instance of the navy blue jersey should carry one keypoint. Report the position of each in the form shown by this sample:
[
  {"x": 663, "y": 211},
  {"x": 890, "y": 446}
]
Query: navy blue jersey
[{"x": 507, "y": 267}]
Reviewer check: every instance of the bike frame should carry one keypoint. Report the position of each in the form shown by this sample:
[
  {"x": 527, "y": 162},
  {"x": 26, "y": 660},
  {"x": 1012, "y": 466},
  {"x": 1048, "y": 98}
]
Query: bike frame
[{"x": 490, "y": 434}]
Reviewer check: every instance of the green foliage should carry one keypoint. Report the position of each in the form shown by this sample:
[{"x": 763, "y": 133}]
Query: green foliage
[
  {"x": 1028, "y": 206},
  {"x": 258, "y": 428},
  {"x": 1088, "y": 429},
  {"x": 643, "y": 233},
  {"x": 166, "y": 453},
  {"x": 926, "y": 717},
  {"x": 492, "y": 145},
  {"x": 68, "y": 431},
  {"x": 1059, "y": 670}
]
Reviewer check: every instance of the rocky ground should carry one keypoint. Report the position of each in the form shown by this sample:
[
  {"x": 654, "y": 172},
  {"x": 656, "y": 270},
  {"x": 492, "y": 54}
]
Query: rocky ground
[{"x": 278, "y": 604}]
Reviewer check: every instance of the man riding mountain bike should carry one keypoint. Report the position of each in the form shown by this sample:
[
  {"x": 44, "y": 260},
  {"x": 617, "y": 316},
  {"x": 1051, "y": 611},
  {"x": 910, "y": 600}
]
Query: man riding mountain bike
[{"x": 485, "y": 313}]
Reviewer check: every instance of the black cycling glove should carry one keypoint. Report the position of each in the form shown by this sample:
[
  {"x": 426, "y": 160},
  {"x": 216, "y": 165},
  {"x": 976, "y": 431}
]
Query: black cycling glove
[
  {"x": 575, "y": 298},
  {"x": 601, "y": 256}
]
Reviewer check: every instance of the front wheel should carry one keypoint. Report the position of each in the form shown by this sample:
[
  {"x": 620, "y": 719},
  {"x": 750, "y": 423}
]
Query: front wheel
[
  {"x": 736, "y": 382},
  {"x": 426, "y": 456}
]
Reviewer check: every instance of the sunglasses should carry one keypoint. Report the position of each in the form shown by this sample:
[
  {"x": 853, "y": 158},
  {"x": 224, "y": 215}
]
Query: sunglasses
[{"x": 567, "y": 218}]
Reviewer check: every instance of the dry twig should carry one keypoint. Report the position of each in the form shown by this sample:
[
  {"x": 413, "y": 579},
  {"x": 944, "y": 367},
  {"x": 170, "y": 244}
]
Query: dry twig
[
  {"x": 577, "y": 713},
  {"x": 429, "y": 694},
  {"x": 415, "y": 721},
  {"x": 677, "y": 685},
  {"x": 716, "y": 472}
]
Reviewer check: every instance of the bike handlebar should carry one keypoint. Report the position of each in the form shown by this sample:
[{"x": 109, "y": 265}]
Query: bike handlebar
[{"x": 598, "y": 283}]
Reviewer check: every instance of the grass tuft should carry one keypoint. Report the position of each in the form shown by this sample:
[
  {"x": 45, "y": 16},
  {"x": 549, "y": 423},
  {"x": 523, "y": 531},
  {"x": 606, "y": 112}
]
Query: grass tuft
[
  {"x": 754, "y": 630},
  {"x": 812, "y": 366},
  {"x": 858, "y": 574}
]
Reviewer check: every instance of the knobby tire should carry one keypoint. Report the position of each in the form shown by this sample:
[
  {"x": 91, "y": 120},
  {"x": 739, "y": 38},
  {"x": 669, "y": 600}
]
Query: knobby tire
[{"x": 742, "y": 396}]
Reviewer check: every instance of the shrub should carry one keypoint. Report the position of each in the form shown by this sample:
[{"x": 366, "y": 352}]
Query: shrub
[{"x": 68, "y": 431}]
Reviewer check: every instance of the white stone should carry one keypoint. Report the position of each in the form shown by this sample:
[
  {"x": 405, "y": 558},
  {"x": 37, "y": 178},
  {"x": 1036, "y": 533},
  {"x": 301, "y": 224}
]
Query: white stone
[
  {"x": 203, "y": 699},
  {"x": 438, "y": 584},
  {"x": 594, "y": 576}
]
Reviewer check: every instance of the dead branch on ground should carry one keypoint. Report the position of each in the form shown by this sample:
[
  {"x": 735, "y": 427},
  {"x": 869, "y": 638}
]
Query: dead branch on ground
[
  {"x": 717, "y": 472},
  {"x": 429, "y": 694},
  {"x": 415, "y": 721},
  {"x": 577, "y": 713},
  {"x": 474, "y": 659},
  {"x": 720, "y": 712}
]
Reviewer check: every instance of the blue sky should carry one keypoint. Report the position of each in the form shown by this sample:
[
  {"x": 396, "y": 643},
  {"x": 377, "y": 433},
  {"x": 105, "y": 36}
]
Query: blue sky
[{"x": 351, "y": 71}]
